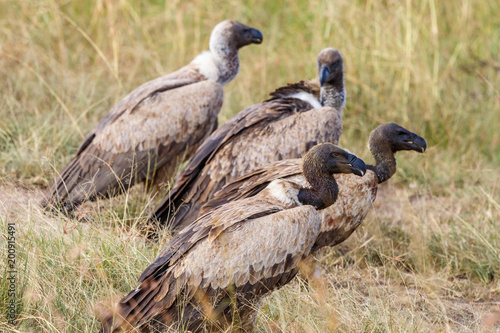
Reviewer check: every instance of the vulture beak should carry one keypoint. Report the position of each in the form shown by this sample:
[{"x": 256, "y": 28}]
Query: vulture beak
[
  {"x": 324, "y": 74},
  {"x": 417, "y": 143},
  {"x": 256, "y": 36},
  {"x": 357, "y": 165}
]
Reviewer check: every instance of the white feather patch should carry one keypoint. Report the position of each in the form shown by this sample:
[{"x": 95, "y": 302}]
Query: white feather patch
[
  {"x": 207, "y": 65},
  {"x": 284, "y": 191},
  {"x": 309, "y": 98}
]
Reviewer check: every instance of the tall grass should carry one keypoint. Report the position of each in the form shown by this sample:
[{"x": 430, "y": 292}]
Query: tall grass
[{"x": 427, "y": 257}]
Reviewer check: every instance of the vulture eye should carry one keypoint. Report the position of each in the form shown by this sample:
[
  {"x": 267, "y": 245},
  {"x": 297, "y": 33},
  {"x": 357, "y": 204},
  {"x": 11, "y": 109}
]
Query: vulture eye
[
  {"x": 337, "y": 155},
  {"x": 336, "y": 63},
  {"x": 401, "y": 133}
]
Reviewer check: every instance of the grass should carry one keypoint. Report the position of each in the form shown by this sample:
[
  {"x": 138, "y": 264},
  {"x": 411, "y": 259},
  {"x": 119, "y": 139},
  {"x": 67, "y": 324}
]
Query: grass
[{"x": 427, "y": 258}]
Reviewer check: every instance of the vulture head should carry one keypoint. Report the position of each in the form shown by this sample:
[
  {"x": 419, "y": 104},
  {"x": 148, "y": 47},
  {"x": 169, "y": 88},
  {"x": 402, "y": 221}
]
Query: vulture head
[
  {"x": 330, "y": 66},
  {"x": 233, "y": 35},
  {"x": 319, "y": 165},
  {"x": 397, "y": 138},
  {"x": 329, "y": 159}
]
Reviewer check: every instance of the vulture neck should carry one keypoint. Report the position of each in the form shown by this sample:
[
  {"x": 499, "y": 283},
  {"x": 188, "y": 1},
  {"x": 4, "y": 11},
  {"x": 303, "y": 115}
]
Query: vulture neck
[
  {"x": 333, "y": 93},
  {"x": 227, "y": 62},
  {"x": 385, "y": 162},
  {"x": 323, "y": 191}
]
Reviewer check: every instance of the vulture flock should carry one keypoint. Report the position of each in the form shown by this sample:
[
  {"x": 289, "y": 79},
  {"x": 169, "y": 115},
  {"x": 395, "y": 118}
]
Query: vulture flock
[{"x": 257, "y": 196}]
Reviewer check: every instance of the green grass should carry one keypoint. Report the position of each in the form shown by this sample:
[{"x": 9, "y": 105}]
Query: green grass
[{"x": 427, "y": 258}]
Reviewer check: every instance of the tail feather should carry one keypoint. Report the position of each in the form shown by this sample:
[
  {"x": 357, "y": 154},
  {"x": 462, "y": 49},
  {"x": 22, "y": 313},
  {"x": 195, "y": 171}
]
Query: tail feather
[
  {"x": 141, "y": 305},
  {"x": 131, "y": 311},
  {"x": 59, "y": 192}
]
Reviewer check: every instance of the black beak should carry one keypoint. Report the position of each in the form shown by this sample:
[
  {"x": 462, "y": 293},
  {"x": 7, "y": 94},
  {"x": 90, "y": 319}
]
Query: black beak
[
  {"x": 357, "y": 165},
  {"x": 417, "y": 143},
  {"x": 324, "y": 74},
  {"x": 256, "y": 36}
]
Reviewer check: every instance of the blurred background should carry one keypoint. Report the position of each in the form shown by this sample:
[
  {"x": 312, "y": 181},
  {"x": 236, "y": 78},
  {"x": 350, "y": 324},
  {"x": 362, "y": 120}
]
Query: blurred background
[{"x": 427, "y": 258}]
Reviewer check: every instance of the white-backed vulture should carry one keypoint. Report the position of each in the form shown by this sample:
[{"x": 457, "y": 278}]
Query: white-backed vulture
[
  {"x": 225, "y": 262},
  {"x": 287, "y": 125},
  {"x": 356, "y": 194},
  {"x": 148, "y": 133}
]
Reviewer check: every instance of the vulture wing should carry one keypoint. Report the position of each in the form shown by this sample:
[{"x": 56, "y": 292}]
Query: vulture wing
[
  {"x": 253, "y": 182},
  {"x": 355, "y": 199},
  {"x": 153, "y": 125}
]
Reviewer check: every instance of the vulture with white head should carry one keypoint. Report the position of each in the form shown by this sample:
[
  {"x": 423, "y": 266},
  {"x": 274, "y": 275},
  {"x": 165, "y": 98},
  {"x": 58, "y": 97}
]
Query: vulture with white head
[
  {"x": 287, "y": 125},
  {"x": 154, "y": 128},
  {"x": 214, "y": 273},
  {"x": 356, "y": 194}
]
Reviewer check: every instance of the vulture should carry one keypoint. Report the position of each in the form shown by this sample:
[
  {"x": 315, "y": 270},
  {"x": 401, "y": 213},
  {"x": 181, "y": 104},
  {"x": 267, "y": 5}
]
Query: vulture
[
  {"x": 154, "y": 128},
  {"x": 295, "y": 118},
  {"x": 214, "y": 273},
  {"x": 356, "y": 194}
]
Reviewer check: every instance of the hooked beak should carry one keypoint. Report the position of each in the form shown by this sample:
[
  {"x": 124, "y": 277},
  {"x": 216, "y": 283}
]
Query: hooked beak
[
  {"x": 417, "y": 143},
  {"x": 324, "y": 74},
  {"x": 256, "y": 36},
  {"x": 357, "y": 165}
]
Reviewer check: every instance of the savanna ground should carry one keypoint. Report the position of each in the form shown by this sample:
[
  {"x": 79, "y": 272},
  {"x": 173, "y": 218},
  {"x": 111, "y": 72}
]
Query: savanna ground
[{"x": 426, "y": 259}]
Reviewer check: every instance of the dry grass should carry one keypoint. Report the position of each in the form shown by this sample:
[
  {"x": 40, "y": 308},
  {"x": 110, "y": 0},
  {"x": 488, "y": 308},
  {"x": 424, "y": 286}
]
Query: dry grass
[{"x": 426, "y": 259}]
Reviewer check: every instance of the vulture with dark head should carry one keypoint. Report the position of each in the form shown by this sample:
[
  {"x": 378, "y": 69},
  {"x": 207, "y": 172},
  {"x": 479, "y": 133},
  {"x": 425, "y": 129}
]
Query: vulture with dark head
[
  {"x": 287, "y": 125},
  {"x": 356, "y": 194},
  {"x": 154, "y": 128},
  {"x": 214, "y": 273}
]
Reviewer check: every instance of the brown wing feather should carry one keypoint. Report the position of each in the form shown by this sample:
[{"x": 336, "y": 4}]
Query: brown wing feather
[
  {"x": 288, "y": 137},
  {"x": 253, "y": 182},
  {"x": 253, "y": 255},
  {"x": 154, "y": 133},
  {"x": 184, "y": 76},
  {"x": 211, "y": 223},
  {"x": 311, "y": 87}
]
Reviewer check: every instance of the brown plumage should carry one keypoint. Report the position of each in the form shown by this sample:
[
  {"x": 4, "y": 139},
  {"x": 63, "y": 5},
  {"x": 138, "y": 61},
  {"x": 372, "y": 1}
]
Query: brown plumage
[
  {"x": 285, "y": 126},
  {"x": 156, "y": 126},
  {"x": 216, "y": 271},
  {"x": 356, "y": 194}
]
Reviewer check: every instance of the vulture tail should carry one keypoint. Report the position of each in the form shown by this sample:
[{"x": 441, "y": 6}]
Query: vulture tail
[
  {"x": 134, "y": 309},
  {"x": 57, "y": 196}
]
